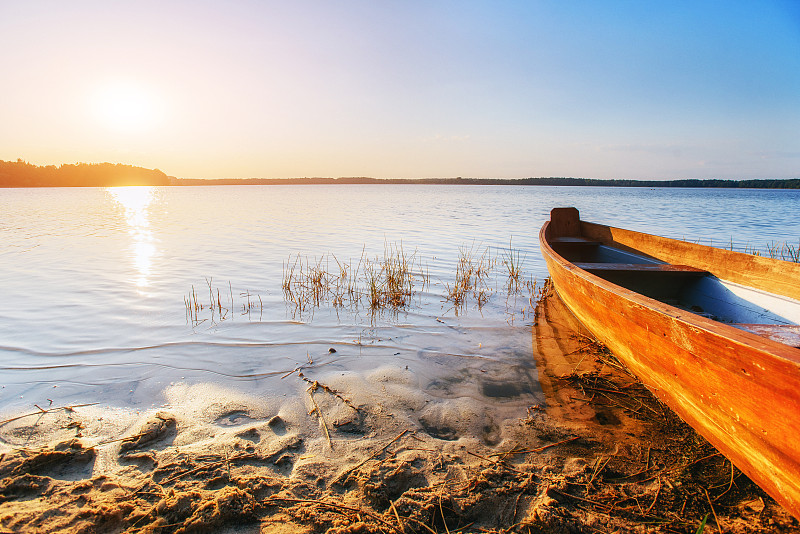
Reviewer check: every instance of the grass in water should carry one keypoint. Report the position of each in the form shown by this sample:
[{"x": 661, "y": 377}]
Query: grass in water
[
  {"x": 773, "y": 249},
  {"x": 214, "y": 309},
  {"x": 388, "y": 282},
  {"x": 783, "y": 251},
  {"x": 472, "y": 272},
  {"x": 512, "y": 261},
  {"x": 382, "y": 282}
]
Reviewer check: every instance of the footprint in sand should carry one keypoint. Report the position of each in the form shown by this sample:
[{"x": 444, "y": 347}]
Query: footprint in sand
[
  {"x": 234, "y": 418},
  {"x": 69, "y": 460}
]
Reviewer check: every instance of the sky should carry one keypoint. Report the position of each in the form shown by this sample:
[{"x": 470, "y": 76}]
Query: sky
[{"x": 405, "y": 89}]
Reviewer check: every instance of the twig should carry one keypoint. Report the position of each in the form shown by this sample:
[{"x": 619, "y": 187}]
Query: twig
[
  {"x": 321, "y": 417},
  {"x": 397, "y": 515},
  {"x": 441, "y": 511},
  {"x": 516, "y": 506},
  {"x": 209, "y": 465},
  {"x": 374, "y": 454},
  {"x": 315, "y": 384},
  {"x": 654, "y": 498},
  {"x": 641, "y": 471},
  {"x": 495, "y": 462},
  {"x": 594, "y": 503},
  {"x": 598, "y": 467},
  {"x": 538, "y": 449},
  {"x": 704, "y": 458},
  {"x": 48, "y": 410},
  {"x": 729, "y": 485},
  {"x": 719, "y": 524},
  {"x": 292, "y": 371},
  {"x": 676, "y": 467}
]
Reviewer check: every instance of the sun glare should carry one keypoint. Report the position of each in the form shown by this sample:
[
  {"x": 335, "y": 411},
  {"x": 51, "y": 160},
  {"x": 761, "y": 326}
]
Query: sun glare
[
  {"x": 136, "y": 201},
  {"x": 126, "y": 107}
]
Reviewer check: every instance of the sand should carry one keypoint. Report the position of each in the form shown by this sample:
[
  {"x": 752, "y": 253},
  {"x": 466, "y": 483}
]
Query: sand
[{"x": 593, "y": 452}]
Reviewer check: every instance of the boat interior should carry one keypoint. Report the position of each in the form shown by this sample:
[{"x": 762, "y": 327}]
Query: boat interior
[{"x": 688, "y": 288}]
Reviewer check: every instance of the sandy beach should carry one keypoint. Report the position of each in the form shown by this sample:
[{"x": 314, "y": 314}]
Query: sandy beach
[{"x": 374, "y": 453}]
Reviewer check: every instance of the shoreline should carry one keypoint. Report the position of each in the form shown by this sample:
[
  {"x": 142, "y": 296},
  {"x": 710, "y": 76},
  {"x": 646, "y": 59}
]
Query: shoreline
[{"x": 373, "y": 456}]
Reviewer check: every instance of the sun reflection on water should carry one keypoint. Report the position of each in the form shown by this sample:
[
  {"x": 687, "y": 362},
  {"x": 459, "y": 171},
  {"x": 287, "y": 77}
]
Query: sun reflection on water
[{"x": 136, "y": 201}]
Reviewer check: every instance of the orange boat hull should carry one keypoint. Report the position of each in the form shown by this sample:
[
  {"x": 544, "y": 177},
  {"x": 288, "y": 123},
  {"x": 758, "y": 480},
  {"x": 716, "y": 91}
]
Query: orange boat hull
[{"x": 739, "y": 390}]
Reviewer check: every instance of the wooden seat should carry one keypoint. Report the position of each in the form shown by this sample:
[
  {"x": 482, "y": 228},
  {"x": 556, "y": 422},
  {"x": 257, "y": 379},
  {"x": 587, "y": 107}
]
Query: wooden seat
[
  {"x": 640, "y": 267},
  {"x": 660, "y": 281},
  {"x": 574, "y": 240}
]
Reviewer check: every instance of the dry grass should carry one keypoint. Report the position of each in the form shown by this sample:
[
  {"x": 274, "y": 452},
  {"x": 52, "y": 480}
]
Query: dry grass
[
  {"x": 512, "y": 261},
  {"x": 376, "y": 284},
  {"x": 216, "y": 309},
  {"x": 783, "y": 251},
  {"x": 773, "y": 249},
  {"x": 390, "y": 282},
  {"x": 472, "y": 272}
]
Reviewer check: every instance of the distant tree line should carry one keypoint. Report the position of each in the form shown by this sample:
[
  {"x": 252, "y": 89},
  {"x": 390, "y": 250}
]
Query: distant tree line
[
  {"x": 751, "y": 184},
  {"x": 742, "y": 184},
  {"x": 23, "y": 174}
]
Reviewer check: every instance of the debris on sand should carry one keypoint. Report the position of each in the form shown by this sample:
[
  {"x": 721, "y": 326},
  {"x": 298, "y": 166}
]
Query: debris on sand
[
  {"x": 600, "y": 454},
  {"x": 156, "y": 428}
]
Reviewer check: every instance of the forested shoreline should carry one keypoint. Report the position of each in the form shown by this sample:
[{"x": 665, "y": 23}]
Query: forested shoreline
[
  {"x": 23, "y": 174},
  {"x": 552, "y": 181}
]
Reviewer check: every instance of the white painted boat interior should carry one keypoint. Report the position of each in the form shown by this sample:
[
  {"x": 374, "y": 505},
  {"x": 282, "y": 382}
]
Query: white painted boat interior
[
  {"x": 734, "y": 303},
  {"x": 767, "y": 314}
]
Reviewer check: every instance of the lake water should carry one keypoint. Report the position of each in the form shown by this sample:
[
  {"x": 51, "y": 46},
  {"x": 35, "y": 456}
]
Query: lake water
[{"x": 94, "y": 283}]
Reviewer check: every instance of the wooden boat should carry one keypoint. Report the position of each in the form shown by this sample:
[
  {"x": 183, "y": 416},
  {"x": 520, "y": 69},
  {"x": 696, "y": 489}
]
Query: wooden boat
[{"x": 712, "y": 332}]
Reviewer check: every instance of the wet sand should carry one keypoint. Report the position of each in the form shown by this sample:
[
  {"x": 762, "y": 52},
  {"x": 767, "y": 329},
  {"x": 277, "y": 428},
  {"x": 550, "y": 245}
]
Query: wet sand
[{"x": 595, "y": 453}]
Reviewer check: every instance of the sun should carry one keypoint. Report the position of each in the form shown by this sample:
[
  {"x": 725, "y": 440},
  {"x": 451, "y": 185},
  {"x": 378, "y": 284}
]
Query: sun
[{"x": 126, "y": 107}]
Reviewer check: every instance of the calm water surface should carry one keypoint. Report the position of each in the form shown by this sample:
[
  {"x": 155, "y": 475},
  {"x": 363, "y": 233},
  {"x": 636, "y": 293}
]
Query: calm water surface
[{"x": 94, "y": 281}]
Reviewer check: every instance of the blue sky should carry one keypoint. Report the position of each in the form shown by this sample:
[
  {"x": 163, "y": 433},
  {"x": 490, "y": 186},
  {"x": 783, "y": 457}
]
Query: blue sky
[{"x": 406, "y": 89}]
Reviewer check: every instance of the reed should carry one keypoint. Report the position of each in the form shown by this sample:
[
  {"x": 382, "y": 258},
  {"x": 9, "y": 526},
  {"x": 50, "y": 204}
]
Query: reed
[
  {"x": 217, "y": 310},
  {"x": 535, "y": 293},
  {"x": 373, "y": 283},
  {"x": 773, "y": 249},
  {"x": 250, "y": 304},
  {"x": 791, "y": 253},
  {"x": 215, "y": 305},
  {"x": 373, "y": 275},
  {"x": 399, "y": 275},
  {"x": 388, "y": 282},
  {"x": 783, "y": 251},
  {"x": 473, "y": 269},
  {"x": 512, "y": 261},
  {"x": 193, "y": 308}
]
